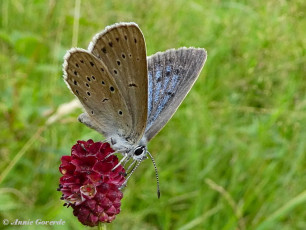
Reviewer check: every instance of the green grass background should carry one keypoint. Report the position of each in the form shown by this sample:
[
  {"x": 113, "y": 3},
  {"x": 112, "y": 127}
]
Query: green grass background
[{"x": 232, "y": 157}]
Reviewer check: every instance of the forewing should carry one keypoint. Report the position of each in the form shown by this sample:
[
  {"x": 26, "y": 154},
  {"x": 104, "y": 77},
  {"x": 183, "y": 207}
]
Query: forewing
[
  {"x": 122, "y": 49},
  {"x": 89, "y": 79},
  {"x": 171, "y": 75}
]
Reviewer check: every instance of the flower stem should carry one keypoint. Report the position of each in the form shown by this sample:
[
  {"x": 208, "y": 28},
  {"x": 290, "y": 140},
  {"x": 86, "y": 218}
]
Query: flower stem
[{"x": 102, "y": 226}]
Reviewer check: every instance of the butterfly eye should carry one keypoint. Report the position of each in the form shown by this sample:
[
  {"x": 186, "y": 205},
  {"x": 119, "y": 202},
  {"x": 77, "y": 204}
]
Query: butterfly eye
[{"x": 139, "y": 150}]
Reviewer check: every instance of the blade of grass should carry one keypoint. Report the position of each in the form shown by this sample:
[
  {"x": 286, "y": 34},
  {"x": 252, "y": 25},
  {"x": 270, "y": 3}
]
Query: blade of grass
[
  {"x": 195, "y": 222},
  {"x": 76, "y": 22},
  {"x": 289, "y": 206},
  {"x": 20, "y": 154},
  {"x": 229, "y": 199}
]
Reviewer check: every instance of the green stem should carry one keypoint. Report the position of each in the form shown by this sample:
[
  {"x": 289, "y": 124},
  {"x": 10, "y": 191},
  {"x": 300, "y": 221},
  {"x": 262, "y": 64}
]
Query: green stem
[{"x": 102, "y": 226}]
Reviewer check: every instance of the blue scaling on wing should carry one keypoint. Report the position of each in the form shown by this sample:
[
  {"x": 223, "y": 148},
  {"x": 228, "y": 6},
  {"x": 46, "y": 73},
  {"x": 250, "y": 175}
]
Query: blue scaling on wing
[
  {"x": 155, "y": 76},
  {"x": 168, "y": 69},
  {"x": 157, "y": 86},
  {"x": 150, "y": 92},
  {"x": 166, "y": 93},
  {"x": 162, "y": 86},
  {"x": 154, "y": 87},
  {"x": 172, "y": 74}
]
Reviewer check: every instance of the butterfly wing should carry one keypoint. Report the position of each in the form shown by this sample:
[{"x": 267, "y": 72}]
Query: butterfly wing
[
  {"x": 171, "y": 75},
  {"x": 121, "y": 47},
  {"x": 91, "y": 82}
]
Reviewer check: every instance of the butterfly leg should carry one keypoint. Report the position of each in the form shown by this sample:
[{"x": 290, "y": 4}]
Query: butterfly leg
[
  {"x": 123, "y": 158},
  {"x": 127, "y": 160},
  {"x": 119, "y": 151},
  {"x": 112, "y": 154},
  {"x": 130, "y": 166},
  {"x": 130, "y": 174}
]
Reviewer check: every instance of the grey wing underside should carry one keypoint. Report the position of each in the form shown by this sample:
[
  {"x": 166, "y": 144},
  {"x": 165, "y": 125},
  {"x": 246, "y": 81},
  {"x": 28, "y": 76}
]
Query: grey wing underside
[
  {"x": 89, "y": 79},
  {"x": 121, "y": 47},
  {"x": 171, "y": 75},
  {"x": 110, "y": 80}
]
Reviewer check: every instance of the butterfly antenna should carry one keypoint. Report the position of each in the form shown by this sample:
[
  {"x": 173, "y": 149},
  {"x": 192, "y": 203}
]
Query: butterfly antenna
[{"x": 156, "y": 174}]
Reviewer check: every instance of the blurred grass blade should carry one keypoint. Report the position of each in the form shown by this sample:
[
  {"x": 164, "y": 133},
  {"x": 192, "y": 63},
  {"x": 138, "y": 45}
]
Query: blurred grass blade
[
  {"x": 63, "y": 109},
  {"x": 76, "y": 22},
  {"x": 195, "y": 222},
  {"x": 20, "y": 154},
  {"x": 289, "y": 206},
  {"x": 230, "y": 200}
]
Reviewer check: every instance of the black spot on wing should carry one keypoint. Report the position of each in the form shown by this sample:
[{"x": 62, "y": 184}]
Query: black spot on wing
[
  {"x": 132, "y": 85},
  {"x": 170, "y": 94}
]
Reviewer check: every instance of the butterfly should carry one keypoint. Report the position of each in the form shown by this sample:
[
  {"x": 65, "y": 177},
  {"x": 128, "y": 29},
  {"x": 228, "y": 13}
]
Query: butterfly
[{"x": 127, "y": 96}]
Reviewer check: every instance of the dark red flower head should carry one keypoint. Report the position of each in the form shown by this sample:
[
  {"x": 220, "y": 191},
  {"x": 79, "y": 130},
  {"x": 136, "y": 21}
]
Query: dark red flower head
[{"x": 88, "y": 183}]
